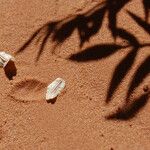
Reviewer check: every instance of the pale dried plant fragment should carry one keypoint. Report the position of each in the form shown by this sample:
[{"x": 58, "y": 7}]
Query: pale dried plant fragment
[
  {"x": 55, "y": 88},
  {"x": 5, "y": 58}
]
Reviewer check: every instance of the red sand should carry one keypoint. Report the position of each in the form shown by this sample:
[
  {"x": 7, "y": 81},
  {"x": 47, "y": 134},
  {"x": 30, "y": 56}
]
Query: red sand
[{"x": 80, "y": 118}]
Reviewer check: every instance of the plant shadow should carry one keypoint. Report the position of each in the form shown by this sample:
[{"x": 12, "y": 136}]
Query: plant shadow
[
  {"x": 88, "y": 24},
  {"x": 128, "y": 111}
]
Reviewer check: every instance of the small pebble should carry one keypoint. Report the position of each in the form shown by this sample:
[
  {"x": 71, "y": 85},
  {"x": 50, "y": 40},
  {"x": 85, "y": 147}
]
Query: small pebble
[{"x": 55, "y": 88}]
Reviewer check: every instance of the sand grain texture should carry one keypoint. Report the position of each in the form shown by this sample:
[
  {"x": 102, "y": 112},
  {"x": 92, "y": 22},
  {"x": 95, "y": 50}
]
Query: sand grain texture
[{"x": 104, "y": 62}]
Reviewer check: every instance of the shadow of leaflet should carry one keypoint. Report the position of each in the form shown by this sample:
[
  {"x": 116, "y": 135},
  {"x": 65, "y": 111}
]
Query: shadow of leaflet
[
  {"x": 140, "y": 22},
  {"x": 87, "y": 25},
  {"x": 142, "y": 71},
  {"x": 96, "y": 52},
  {"x": 146, "y": 4},
  {"x": 129, "y": 111}
]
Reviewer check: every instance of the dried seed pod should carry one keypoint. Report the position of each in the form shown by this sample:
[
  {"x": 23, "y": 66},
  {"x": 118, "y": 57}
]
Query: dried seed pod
[
  {"x": 5, "y": 58},
  {"x": 55, "y": 88}
]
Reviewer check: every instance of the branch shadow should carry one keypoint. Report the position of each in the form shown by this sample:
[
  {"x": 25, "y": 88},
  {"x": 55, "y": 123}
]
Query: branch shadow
[
  {"x": 88, "y": 24},
  {"x": 125, "y": 65}
]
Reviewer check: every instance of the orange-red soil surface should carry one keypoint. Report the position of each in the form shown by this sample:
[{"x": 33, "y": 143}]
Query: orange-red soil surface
[{"x": 101, "y": 48}]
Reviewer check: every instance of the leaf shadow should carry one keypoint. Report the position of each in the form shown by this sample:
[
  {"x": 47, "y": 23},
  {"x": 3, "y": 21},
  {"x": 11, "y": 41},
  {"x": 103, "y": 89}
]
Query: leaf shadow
[
  {"x": 146, "y": 4},
  {"x": 89, "y": 23},
  {"x": 140, "y": 74},
  {"x": 114, "y": 7},
  {"x": 48, "y": 28},
  {"x": 125, "y": 64},
  {"x": 140, "y": 22},
  {"x": 96, "y": 52},
  {"x": 128, "y": 111},
  {"x": 120, "y": 72}
]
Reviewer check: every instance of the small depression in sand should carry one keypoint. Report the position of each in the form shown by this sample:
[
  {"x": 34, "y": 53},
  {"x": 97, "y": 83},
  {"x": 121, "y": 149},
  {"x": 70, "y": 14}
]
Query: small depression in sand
[{"x": 30, "y": 90}]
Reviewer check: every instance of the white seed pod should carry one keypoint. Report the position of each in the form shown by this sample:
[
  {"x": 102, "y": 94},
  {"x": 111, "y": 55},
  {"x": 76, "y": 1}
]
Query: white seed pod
[
  {"x": 5, "y": 58},
  {"x": 55, "y": 88}
]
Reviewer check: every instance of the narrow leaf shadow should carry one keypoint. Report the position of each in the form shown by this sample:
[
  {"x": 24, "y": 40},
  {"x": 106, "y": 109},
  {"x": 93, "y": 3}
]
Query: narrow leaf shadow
[
  {"x": 146, "y": 4},
  {"x": 140, "y": 22},
  {"x": 64, "y": 29},
  {"x": 132, "y": 40},
  {"x": 49, "y": 27},
  {"x": 87, "y": 25},
  {"x": 114, "y": 7},
  {"x": 120, "y": 72},
  {"x": 142, "y": 71},
  {"x": 130, "y": 110},
  {"x": 96, "y": 52}
]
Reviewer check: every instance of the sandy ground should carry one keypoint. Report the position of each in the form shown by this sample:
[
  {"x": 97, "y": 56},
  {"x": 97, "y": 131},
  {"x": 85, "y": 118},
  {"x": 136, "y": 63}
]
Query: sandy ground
[{"x": 105, "y": 105}]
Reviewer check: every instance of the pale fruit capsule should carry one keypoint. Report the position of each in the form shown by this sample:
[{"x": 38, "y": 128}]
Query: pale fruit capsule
[
  {"x": 5, "y": 58},
  {"x": 55, "y": 88}
]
